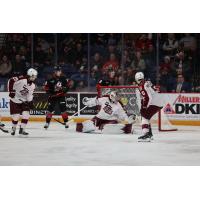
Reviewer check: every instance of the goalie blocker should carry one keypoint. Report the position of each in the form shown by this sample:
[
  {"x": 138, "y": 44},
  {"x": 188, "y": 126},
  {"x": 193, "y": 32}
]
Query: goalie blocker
[{"x": 111, "y": 112}]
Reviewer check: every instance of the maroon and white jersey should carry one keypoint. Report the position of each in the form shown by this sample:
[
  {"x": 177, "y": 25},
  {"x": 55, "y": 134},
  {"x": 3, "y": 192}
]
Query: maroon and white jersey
[
  {"x": 149, "y": 94},
  {"x": 108, "y": 109},
  {"x": 22, "y": 87}
]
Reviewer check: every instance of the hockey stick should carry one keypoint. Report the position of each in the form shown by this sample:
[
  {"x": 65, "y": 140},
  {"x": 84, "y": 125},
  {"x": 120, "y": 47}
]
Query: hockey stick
[
  {"x": 57, "y": 120},
  {"x": 70, "y": 120},
  {"x": 4, "y": 130}
]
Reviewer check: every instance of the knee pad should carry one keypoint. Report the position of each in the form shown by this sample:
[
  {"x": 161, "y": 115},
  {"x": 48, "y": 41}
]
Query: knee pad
[
  {"x": 145, "y": 121},
  {"x": 15, "y": 117},
  {"x": 25, "y": 115},
  {"x": 64, "y": 115},
  {"x": 49, "y": 114}
]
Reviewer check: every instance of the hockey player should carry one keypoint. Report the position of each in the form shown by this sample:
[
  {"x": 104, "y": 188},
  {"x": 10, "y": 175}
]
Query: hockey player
[
  {"x": 111, "y": 112},
  {"x": 151, "y": 103},
  {"x": 21, "y": 90},
  {"x": 56, "y": 88}
]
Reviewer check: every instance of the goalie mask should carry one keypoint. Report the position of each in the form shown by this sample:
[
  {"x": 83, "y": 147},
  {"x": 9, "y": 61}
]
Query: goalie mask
[{"x": 113, "y": 97}]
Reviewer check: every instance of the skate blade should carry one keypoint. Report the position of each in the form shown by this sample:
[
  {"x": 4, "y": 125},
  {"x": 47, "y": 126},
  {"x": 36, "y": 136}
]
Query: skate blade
[
  {"x": 145, "y": 140},
  {"x": 23, "y": 136}
]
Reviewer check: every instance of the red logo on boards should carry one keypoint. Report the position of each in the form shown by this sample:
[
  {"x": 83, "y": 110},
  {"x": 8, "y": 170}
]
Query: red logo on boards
[{"x": 168, "y": 109}]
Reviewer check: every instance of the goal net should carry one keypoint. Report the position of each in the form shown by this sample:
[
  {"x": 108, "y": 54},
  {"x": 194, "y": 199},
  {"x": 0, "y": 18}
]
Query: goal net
[{"x": 130, "y": 98}]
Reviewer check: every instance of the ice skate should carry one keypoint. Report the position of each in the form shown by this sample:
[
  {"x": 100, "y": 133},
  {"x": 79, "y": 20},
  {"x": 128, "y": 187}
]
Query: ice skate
[
  {"x": 146, "y": 137},
  {"x": 13, "y": 130},
  {"x": 66, "y": 125},
  {"x": 22, "y": 132},
  {"x": 46, "y": 126},
  {"x": 1, "y": 124}
]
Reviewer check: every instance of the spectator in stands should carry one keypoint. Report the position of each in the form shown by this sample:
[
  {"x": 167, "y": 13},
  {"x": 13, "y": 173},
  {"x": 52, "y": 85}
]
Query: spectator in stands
[
  {"x": 182, "y": 63},
  {"x": 19, "y": 65},
  {"x": 166, "y": 81},
  {"x": 129, "y": 76},
  {"x": 166, "y": 65},
  {"x": 181, "y": 85},
  {"x": 39, "y": 55},
  {"x": 49, "y": 57},
  {"x": 113, "y": 78},
  {"x": 138, "y": 64},
  {"x": 96, "y": 61},
  {"x": 111, "y": 49},
  {"x": 94, "y": 76},
  {"x": 111, "y": 64},
  {"x": 144, "y": 43},
  {"x": 77, "y": 53},
  {"x": 126, "y": 59},
  {"x": 43, "y": 44},
  {"x": 112, "y": 40},
  {"x": 5, "y": 67},
  {"x": 188, "y": 42},
  {"x": 170, "y": 46}
]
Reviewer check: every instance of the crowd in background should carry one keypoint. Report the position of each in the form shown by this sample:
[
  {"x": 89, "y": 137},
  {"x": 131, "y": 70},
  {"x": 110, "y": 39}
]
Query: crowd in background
[{"x": 169, "y": 60}]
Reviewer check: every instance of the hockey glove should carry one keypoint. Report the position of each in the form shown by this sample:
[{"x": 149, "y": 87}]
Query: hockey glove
[
  {"x": 132, "y": 119},
  {"x": 12, "y": 94},
  {"x": 85, "y": 101},
  {"x": 64, "y": 89}
]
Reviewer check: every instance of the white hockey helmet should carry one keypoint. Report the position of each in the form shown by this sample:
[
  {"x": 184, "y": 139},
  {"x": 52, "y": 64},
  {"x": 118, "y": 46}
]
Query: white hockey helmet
[
  {"x": 32, "y": 73},
  {"x": 113, "y": 96},
  {"x": 139, "y": 76}
]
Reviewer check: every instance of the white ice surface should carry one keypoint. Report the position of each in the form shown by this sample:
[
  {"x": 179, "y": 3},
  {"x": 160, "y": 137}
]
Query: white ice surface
[{"x": 58, "y": 146}]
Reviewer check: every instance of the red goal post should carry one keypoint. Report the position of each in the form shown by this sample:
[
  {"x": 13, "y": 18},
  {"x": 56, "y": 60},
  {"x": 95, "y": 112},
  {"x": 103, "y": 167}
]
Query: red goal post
[{"x": 130, "y": 98}]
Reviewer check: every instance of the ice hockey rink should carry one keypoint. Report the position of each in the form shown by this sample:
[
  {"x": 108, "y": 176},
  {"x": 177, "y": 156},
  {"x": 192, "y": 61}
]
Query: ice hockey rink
[{"x": 61, "y": 147}]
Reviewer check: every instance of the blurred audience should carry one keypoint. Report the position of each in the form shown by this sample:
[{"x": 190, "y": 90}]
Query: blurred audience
[
  {"x": 108, "y": 59},
  {"x": 170, "y": 45},
  {"x": 5, "y": 66},
  {"x": 19, "y": 65},
  {"x": 111, "y": 64},
  {"x": 188, "y": 42},
  {"x": 138, "y": 64}
]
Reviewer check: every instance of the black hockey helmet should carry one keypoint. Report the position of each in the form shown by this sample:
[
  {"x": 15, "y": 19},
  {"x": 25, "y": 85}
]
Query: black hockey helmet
[{"x": 57, "y": 68}]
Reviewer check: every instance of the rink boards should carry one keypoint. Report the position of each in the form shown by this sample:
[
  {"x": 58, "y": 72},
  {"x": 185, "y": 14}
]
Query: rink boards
[{"x": 180, "y": 108}]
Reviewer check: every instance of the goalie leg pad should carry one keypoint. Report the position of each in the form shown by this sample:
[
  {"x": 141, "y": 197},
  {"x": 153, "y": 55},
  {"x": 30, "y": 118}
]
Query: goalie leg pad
[
  {"x": 127, "y": 128},
  {"x": 100, "y": 123},
  {"x": 85, "y": 127},
  {"x": 88, "y": 126},
  {"x": 79, "y": 127}
]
